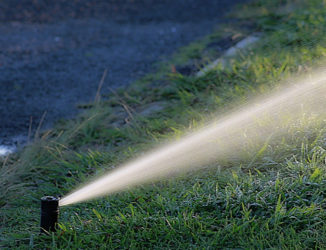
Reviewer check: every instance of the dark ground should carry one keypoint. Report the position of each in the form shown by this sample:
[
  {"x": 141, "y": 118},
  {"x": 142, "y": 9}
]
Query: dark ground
[{"x": 53, "y": 53}]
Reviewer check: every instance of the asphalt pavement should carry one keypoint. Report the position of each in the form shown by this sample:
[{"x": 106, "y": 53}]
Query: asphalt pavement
[{"x": 53, "y": 53}]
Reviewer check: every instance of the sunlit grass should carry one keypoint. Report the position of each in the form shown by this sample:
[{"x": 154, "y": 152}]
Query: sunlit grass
[{"x": 273, "y": 198}]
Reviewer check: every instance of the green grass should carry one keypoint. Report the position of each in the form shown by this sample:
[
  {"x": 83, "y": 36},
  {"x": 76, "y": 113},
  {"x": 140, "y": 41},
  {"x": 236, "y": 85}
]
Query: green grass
[{"x": 271, "y": 197}]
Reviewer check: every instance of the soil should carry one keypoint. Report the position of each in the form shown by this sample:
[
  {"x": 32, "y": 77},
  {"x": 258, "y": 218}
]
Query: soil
[{"x": 53, "y": 53}]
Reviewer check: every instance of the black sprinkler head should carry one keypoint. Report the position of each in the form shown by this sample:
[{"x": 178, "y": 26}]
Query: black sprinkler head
[{"x": 49, "y": 214}]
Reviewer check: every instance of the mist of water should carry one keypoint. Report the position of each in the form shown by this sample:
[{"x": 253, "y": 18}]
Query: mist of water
[{"x": 223, "y": 138}]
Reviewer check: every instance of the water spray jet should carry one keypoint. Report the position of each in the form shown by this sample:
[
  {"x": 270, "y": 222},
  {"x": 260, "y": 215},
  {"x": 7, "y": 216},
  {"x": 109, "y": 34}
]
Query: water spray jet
[
  {"x": 222, "y": 138},
  {"x": 49, "y": 214}
]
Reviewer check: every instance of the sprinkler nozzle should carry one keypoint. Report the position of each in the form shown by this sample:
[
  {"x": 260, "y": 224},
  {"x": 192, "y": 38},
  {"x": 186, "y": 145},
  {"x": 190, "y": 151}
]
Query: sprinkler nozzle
[{"x": 49, "y": 214}]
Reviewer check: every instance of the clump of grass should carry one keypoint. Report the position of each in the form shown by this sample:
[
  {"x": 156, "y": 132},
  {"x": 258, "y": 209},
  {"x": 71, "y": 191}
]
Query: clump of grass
[{"x": 273, "y": 197}]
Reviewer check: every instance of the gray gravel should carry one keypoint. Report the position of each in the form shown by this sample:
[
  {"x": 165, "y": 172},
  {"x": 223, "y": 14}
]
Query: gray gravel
[{"x": 54, "y": 63}]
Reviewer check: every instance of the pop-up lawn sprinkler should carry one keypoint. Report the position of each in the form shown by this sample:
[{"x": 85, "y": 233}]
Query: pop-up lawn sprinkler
[{"x": 49, "y": 214}]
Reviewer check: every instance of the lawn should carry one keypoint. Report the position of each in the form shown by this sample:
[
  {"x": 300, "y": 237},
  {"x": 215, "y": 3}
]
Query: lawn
[{"x": 272, "y": 196}]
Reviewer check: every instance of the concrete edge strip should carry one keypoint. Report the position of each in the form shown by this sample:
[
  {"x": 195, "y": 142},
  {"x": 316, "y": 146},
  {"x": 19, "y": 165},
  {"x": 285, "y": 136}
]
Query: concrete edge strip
[{"x": 243, "y": 44}]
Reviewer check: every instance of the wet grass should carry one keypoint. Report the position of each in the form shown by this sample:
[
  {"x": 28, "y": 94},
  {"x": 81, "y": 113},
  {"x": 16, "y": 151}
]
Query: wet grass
[{"x": 273, "y": 197}]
